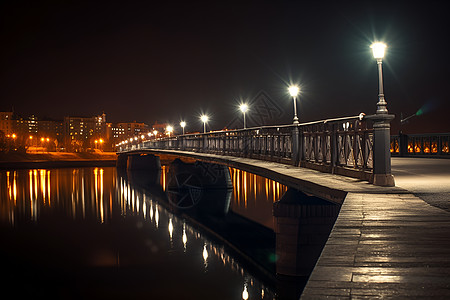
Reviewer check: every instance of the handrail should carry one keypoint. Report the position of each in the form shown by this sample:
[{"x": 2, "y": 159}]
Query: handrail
[{"x": 325, "y": 121}]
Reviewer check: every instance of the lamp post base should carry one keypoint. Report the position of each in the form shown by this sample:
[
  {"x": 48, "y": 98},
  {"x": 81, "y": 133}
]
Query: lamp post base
[
  {"x": 382, "y": 175},
  {"x": 383, "y": 180}
]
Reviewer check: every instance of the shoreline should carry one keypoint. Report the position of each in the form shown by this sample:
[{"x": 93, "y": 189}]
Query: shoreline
[
  {"x": 57, "y": 160},
  {"x": 57, "y": 164}
]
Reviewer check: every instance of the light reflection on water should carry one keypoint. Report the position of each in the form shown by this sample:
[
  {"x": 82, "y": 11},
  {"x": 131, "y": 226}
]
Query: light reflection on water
[
  {"x": 97, "y": 194},
  {"x": 253, "y": 196}
]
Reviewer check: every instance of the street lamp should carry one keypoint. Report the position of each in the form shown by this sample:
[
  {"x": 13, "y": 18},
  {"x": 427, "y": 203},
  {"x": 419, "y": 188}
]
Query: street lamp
[
  {"x": 244, "y": 108},
  {"x": 169, "y": 129},
  {"x": 183, "y": 124},
  {"x": 204, "y": 119},
  {"x": 381, "y": 128},
  {"x": 378, "y": 53},
  {"x": 293, "y": 91}
]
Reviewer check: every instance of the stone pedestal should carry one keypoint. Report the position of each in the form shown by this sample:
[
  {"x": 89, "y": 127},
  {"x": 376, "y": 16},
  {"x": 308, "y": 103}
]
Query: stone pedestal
[{"x": 381, "y": 150}]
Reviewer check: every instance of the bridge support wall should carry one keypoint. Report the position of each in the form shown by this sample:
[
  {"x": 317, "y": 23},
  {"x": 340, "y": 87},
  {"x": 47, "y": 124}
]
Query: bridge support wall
[
  {"x": 121, "y": 162},
  {"x": 143, "y": 162},
  {"x": 303, "y": 224}
]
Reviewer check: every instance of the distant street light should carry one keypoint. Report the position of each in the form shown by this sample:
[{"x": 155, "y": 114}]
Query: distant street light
[
  {"x": 378, "y": 53},
  {"x": 183, "y": 124},
  {"x": 169, "y": 129},
  {"x": 293, "y": 91},
  {"x": 244, "y": 108},
  {"x": 204, "y": 119}
]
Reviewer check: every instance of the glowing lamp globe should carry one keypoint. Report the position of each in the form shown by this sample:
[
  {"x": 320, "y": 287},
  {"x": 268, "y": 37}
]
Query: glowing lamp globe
[
  {"x": 243, "y": 107},
  {"x": 378, "y": 50},
  {"x": 293, "y": 90}
]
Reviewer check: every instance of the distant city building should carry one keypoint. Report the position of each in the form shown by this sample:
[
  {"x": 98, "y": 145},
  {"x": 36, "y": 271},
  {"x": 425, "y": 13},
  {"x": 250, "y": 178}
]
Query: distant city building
[
  {"x": 6, "y": 122},
  {"x": 125, "y": 130},
  {"x": 73, "y": 133},
  {"x": 80, "y": 133}
]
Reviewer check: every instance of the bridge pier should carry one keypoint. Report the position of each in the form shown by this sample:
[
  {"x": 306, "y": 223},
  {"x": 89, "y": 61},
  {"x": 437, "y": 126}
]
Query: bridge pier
[
  {"x": 121, "y": 162},
  {"x": 303, "y": 224},
  {"x": 142, "y": 169},
  {"x": 199, "y": 187}
]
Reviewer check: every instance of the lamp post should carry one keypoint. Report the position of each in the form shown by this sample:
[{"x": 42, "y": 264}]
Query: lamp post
[
  {"x": 378, "y": 53},
  {"x": 204, "y": 119},
  {"x": 183, "y": 124},
  {"x": 293, "y": 91},
  {"x": 244, "y": 108},
  {"x": 169, "y": 129},
  {"x": 381, "y": 128}
]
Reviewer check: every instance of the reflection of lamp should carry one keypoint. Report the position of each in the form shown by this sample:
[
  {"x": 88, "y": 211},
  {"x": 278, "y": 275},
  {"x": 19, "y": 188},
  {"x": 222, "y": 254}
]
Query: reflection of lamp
[
  {"x": 205, "y": 253},
  {"x": 245, "y": 293},
  {"x": 170, "y": 228},
  {"x": 184, "y": 236}
]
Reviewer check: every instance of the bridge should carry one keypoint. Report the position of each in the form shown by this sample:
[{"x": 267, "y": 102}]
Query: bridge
[
  {"x": 355, "y": 146},
  {"x": 387, "y": 240}
]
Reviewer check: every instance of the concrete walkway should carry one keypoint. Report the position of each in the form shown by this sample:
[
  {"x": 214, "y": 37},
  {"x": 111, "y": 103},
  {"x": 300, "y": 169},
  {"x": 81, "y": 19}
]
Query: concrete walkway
[
  {"x": 427, "y": 178},
  {"x": 390, "y": 245}
]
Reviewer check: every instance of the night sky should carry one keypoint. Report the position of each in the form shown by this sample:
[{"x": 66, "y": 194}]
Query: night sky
[{"x": 167, "y": 61}]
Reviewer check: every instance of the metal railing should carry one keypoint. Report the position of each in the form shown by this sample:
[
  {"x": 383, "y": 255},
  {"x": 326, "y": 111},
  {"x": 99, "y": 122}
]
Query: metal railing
[
  {"x": 423, "y": 145},
  {"x": 343, "y": 145}
]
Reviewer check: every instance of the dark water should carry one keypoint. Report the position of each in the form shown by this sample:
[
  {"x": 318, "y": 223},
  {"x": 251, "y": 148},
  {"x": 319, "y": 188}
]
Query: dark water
[{"x": 89, "y": 233}]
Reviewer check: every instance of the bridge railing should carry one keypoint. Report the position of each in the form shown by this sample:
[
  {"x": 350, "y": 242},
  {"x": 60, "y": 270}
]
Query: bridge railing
[
  {"x": 423, "y": 145},
  {"x": 342, "y": 146}
]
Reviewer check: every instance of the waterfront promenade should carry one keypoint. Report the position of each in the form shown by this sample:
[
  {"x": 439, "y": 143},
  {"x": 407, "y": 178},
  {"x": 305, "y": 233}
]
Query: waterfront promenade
[{"x": 391, "y": 244}]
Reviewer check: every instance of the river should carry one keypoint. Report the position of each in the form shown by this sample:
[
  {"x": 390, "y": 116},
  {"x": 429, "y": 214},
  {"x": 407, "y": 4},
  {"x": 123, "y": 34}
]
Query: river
[{"x": 90, "y": 233}]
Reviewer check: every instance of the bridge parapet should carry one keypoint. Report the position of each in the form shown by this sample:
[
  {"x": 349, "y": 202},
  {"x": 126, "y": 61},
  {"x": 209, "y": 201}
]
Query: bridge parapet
[{"x": 422, "y": 145}]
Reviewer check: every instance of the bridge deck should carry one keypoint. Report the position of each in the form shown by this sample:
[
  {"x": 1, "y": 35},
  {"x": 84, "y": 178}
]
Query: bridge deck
[
  {"x": 390, "y": 245},
  {"x": 387, "y": 242}
]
